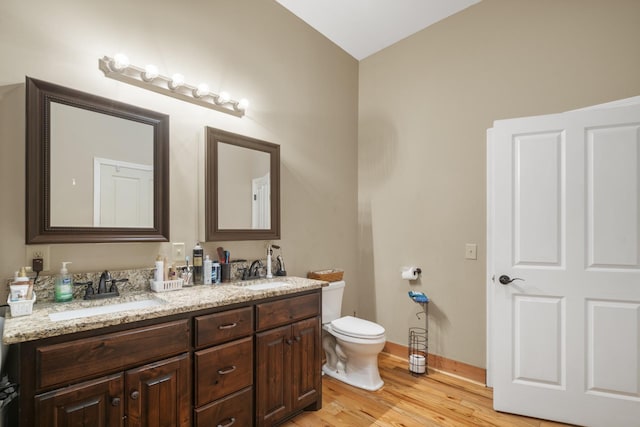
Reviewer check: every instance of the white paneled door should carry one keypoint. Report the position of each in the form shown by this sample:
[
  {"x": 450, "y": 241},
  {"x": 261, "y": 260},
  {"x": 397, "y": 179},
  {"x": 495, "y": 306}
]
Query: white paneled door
[{"x": 564, "y": 242}]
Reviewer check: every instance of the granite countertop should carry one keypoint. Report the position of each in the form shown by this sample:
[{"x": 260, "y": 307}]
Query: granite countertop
[{"x": 39, "y": 325}]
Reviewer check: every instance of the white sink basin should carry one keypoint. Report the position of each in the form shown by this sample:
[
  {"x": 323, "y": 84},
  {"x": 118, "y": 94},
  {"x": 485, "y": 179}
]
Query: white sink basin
[
  {"x": 104, "y": 309},
  {"x": 265, "y": 286}
]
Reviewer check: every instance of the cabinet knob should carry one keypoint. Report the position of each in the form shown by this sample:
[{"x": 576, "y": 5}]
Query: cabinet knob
[
  {"x": 229, "y": 423},
  {"x": 135, "y": 394},
  {"x": 115, "y": 401},
  {"x": 297, "y": 337},
  {"x": 289, "y": 341}
]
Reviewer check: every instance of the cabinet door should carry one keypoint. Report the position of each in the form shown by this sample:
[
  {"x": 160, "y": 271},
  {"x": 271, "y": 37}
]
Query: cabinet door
[
  {"x": 159, "y": 394},
  {"x": 306, "y": 386},
  {"x": 273, "y": 375},
  {"x": 96, "y": 403}
]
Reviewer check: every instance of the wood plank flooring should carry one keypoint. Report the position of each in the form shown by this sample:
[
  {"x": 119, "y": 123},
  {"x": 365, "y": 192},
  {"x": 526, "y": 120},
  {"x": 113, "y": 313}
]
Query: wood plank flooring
[{"x": 405, "y": 400}]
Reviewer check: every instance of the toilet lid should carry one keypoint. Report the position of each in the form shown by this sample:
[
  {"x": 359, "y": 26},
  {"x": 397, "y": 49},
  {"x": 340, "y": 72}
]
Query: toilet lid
[{"x": 357, "y": 328}]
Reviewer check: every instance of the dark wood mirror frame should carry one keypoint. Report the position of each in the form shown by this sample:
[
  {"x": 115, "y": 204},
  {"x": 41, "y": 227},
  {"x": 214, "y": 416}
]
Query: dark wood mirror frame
[
  {"x": 212, "y": 230},
  {"x": 39, "y": 95}
]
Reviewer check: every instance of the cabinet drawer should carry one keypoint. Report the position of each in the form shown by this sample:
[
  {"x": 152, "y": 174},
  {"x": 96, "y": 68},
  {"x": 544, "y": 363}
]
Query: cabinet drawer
[
  {"x": 281, "y": 312},
  {"x": 223, "y": 369},
  {"x": 68, "y": 362},
  {"x": 236, "y": 410},
  {"x": 225, "y": 326}
]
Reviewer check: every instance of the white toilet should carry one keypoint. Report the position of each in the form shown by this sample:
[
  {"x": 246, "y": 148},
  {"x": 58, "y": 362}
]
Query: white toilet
[{"x": 351, "y": 345}]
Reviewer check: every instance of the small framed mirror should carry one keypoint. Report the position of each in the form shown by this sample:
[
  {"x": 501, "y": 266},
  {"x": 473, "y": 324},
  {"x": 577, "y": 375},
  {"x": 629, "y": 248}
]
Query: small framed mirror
[
  {"x": 97, "y": 169},
  {"x": 242, "y": 187}
]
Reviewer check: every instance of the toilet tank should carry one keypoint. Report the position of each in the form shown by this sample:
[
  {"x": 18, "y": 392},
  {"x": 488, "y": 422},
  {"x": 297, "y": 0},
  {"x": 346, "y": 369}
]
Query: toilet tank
[{"x": 332, "y": 301}]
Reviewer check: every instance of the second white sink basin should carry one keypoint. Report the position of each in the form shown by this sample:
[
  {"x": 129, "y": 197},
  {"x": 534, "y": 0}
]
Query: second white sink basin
[
  {"x": 104, "y": 309},
  {"x": 265, "y": 286}
]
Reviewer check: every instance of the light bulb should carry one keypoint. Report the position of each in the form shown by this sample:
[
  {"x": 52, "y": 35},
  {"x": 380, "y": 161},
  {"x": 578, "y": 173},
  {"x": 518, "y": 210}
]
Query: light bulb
[
  {"x": 242, "y": 105},
  {"x": 223, "y": 98},
  {"x": 119, "y": 62},
  {"x": 150, "y": 73},
  {"x": 177, "y": 80},
  {"x": 201, "y": 90}
]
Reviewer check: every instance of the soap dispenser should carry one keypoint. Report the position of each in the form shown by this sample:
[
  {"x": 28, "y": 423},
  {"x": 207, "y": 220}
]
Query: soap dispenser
[{"x": 63, "y": 290}]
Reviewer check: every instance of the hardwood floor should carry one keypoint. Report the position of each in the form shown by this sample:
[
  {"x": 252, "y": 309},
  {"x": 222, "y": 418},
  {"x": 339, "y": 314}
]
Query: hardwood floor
[{"x": 405, "y": 400}]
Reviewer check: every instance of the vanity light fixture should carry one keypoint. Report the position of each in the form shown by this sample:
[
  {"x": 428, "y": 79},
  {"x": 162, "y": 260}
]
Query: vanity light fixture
[{"x": 119, "y": 68}]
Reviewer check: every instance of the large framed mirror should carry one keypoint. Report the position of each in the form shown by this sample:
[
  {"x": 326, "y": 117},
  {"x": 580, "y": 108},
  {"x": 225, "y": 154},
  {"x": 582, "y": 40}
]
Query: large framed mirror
[
  {"x": 242, "y": 187},
  {"x": 97, "y": 169}
]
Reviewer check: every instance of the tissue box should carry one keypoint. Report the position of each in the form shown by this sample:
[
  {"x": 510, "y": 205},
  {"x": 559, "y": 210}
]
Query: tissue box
[
  {"x": 334, "y": 275},
  {"x": 21, "y": 307}
]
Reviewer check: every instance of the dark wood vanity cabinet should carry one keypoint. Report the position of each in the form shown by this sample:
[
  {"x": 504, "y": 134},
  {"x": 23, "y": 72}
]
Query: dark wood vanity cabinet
[
  {"x": 137, "y": 397},
  {"x": 254, "y": 364},
  {"x": 224, "y": 370},
  {"x": 288, "y": 358}
]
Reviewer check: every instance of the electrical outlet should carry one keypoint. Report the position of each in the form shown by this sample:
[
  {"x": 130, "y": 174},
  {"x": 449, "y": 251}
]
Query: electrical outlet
[
  {"x": 177, "y": 252},
  {"x": 38, "y": 251},
  {"x": 471, "y": 251}
]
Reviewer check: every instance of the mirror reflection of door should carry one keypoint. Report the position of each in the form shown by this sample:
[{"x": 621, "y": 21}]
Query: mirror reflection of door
[
  {"x": 260, "y": 203},
  {"x": 244, "y": 190},
  {"x": 123, "y": 194},
  {"x": 78, "y": 137}
]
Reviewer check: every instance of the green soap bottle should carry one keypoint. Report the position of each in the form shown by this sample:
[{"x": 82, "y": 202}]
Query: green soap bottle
[{"x": 63, "y": 290}]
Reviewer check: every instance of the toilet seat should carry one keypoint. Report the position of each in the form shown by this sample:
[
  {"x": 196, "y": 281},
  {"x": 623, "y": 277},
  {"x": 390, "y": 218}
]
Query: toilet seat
[{"x": 357, "y": 328}]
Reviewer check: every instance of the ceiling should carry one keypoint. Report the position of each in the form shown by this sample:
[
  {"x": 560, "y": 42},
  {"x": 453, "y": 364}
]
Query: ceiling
[{"x": 364, "y": 27}]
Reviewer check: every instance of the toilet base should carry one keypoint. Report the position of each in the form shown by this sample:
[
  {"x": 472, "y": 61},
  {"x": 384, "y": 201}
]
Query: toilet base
[{"x": 370, "y": 384}]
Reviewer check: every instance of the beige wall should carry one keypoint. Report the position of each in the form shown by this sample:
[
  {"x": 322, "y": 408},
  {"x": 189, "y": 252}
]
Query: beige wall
[
  {"x": 410, "y": 191},
  {"x": 303, "y": 94},
  {"x": 425, "y": 104}
]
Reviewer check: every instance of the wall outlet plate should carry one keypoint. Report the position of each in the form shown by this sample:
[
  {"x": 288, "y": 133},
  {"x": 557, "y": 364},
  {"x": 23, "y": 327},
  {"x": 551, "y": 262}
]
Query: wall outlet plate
[
  {"x": 38, "y": 251},
  {"x": 177, "y": 252}
]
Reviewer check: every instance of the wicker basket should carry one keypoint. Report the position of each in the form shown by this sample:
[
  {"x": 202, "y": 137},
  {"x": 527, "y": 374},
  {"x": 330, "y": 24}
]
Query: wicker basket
[{"x": 333, "y": 275}]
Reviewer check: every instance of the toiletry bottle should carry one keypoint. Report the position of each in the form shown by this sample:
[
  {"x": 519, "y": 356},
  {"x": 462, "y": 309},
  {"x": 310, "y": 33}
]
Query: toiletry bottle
[
  {"x": 215, "y": 272},
  {"x": 207, "y": 265},
  {"x": 63, "y": 290},
  {"x": 197, "y": 264},
  {"x": 158, "y": 273},
  {"x": 19, "y": 288}
]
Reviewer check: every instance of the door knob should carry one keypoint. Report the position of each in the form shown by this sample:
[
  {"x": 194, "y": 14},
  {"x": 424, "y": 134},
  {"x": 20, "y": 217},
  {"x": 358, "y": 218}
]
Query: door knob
[{"x": 505, "y": 280}]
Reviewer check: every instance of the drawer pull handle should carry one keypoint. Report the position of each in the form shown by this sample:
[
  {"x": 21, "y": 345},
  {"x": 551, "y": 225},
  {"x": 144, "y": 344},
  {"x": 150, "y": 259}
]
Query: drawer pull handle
[
  {"x": 226, "y": 371},
  {"x": 228, "y": 326},
  {"x": 135, "y": 394},
  {"x": 231, "y": 422}
]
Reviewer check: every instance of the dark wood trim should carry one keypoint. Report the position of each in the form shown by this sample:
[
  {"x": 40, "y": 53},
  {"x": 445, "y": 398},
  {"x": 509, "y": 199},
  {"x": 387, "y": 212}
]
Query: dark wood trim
[
  {"x": 212, "y": 230},
  {"x": 442, "y": 364},
  {"x": 39, "y": 230}
]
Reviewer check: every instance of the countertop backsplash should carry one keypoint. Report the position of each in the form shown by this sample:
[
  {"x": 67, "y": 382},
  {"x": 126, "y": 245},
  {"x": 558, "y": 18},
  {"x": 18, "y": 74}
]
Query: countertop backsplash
[{"x": 138, "y": 281}]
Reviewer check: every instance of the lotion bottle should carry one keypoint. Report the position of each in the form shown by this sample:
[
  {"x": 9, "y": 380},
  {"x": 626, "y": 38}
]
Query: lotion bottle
[
  {"x": 158, "y": 273},
  {"x": 63, "y": 290}
]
